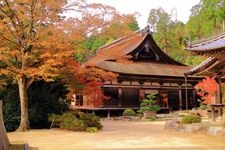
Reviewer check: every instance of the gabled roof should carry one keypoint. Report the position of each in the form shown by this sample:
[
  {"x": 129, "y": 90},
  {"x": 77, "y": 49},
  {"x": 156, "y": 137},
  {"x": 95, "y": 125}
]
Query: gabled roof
[
  {"x": 207, "y": 67},
  {"x": 117, "y": 48},
  {"x": 214, "y": 48},
  {"x": 216, "y": 43},
  {"x": 159, "y": 65},
  {"x": 208, "y": 63}
]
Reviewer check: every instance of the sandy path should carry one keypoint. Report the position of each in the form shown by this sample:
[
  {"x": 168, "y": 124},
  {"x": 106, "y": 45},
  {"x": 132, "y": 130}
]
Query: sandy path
[{"x": 120, "y": 135}]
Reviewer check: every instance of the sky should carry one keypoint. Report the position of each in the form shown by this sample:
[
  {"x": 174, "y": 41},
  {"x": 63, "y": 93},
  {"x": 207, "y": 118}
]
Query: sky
[{"x": 143, "y": 7}]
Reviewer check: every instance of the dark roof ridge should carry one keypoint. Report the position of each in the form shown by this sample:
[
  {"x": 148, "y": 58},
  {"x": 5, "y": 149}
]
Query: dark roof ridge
[{"x": 207, "y": 40}]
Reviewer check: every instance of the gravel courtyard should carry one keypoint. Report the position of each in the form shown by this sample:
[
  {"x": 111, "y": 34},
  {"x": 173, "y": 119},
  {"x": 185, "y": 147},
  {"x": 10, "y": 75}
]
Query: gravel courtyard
[{"x": 119, "y": 135}]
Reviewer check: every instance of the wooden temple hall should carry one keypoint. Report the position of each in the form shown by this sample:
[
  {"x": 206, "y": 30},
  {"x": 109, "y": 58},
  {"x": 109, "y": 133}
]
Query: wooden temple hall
[{"x": 151, "y": 71}]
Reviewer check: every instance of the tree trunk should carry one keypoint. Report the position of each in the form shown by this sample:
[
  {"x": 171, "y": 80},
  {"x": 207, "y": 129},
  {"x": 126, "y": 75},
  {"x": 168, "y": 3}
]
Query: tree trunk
[
  {"x": 24, "y": 121},
  {"x": 4, "y": 141}
]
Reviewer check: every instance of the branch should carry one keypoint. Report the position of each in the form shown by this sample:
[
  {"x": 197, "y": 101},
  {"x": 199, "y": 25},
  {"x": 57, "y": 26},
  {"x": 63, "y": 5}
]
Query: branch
[
  {"x": 41, "y": 19},
  {"x": 29, "y": 82},
  {"x": 32, "y": 7},
  {"x": 14, "y": 15},
  {"x": 9, "y": 16},
  {"x": 5, "y": 38}
]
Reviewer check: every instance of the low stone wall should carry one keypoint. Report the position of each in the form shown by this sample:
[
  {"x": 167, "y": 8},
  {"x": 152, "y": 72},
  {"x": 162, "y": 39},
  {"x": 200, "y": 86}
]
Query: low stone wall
[{"x": 194, "y": 128}]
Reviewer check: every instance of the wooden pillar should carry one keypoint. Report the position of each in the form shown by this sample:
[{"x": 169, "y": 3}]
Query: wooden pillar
[
  {"x": 186, "y": 92},
  {"x": 219, "y": 91},
  {"x": 141, "y": 92},
  {"x": 141, "y": 95},
  {"x": 213, "y": 114},
  {"x": 4, "y": 141},
  {"x": 180, "y": 98},
  {"x": 219, "y": 95},
  {"x": 194, "y": 98},
  {"x": 120, "y": 96}
]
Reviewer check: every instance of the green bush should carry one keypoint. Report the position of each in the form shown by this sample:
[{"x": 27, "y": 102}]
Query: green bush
[
  {"x": 91, "y": 129},
  {"x": 91, "y": 120},
  {"x": 55, "y": 120},
  {"x": 191, "y": 119},
  {"x": 70, "y": 122},
  {"x": 203, "y": 106},
  {"x": 76, "y": 121},
  {"x": 129, "y": 112}
]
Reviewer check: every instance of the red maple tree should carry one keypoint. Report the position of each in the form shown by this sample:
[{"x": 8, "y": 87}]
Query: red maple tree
[
  {"x": 85, "y": 80},
  {"x": 207, "y": 89}
]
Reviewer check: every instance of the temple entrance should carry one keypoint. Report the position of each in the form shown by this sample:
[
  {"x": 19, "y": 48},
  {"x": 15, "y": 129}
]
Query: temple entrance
[
  {"x": 173, "y": 99},
  {"x": 113, "y": 100},
  {"x": 130, "y": 97}
]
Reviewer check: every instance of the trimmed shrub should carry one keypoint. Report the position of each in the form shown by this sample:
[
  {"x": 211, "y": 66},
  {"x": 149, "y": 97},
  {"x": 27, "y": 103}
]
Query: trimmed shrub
[
  {"x": 149, "y": 107},
  {"x": 149, "y": 104},
  {"x": 69, "y": 121},
  {"x": 76, "y": 121},
  {"x": 129, "y": 112},
  {"x": 191, "y": 119},
  {"x": 203, "y": 106},
  {"x": 91, "y": 129},
  {"x": 90, "y": 120}
]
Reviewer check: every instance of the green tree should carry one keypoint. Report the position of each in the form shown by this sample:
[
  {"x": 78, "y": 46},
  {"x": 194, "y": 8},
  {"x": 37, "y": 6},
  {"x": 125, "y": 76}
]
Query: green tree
[
  {"x": 160, "y": 22},
  {"x": 193, "y": 26},
  {"x": 212, "y": 15},
  {"x": 206, "y": 19},
  {"x": 119, "y": 26},
  {"x": 132, "y": 23},
  {"x": 168, "y": 34}
]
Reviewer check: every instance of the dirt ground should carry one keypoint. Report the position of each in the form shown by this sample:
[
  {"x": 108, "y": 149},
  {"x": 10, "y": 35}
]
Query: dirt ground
[{"x": 119, "y": 135}]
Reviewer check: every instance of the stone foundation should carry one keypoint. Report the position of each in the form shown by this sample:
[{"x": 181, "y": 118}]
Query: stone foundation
[{"x": 194, "y": 128}]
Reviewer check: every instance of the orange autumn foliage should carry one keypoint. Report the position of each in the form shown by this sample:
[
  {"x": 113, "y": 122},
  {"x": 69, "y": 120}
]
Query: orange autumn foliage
[
  {"x": 37, "y": 43},
  {"x": 206, "y": 89},
  {"x": 87, "y": 81}
]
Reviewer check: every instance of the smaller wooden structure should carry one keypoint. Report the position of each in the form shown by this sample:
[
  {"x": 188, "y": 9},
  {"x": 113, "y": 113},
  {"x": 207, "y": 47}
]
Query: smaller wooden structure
[{"x": 214, "y": 65}]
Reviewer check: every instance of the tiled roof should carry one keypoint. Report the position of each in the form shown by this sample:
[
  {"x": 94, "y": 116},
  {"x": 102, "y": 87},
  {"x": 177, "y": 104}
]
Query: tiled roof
[
  {"x": 152, "y": 69},
  {"x": 118, "y": 48},
  {"x": 204, "y": 68},
  {"x": 206, "y": 45},
  {"x": 106, "y": 58},
  {"x": 214, "y": 48}
]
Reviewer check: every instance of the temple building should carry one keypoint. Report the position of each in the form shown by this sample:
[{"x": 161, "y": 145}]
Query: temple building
[
  {"x": 151, "y": 71},
  {"x": 214, "y": 49}
]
